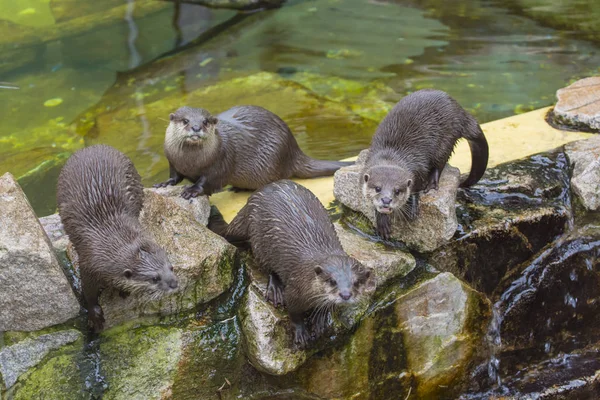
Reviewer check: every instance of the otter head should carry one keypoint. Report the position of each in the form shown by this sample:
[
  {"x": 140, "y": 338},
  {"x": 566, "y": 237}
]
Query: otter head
[
  {"x": 193, "y": 126},
  {"x": 342, "y": 279},
  {"x": 149, "y": 269},
  {"x": 387, "y": 187}
]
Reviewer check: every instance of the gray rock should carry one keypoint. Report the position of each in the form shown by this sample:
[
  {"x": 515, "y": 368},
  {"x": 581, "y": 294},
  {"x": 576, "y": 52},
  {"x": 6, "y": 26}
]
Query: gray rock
[
  {"x": 203, "y": 261},
  {"x": 579, "y": 104},
  {"x": 199, "y": 207},
  {"x": 268, "y": 339},
  {"x": 34, "y": 292},
  {"x": 17, "y": 359},
  {"x": 56, "y": 233},
  {"x": 584, "y": 157},
  {"x": 436, "y": 223}
]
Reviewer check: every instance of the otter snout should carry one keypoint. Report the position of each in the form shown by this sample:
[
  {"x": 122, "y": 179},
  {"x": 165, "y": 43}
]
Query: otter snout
[
  {"x": 196, "y": 128},
  {"x": 345, "y": 295}
]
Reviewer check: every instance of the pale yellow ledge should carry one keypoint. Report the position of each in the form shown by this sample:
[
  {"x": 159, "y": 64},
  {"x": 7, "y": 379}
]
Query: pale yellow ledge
[{"x": 508, "y": 138}]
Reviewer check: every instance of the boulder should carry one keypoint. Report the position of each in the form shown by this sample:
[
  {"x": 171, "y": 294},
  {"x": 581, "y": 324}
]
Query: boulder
[
  {"x": 578, "y": 105},
  {"x": 267, "y": 335},
  {"x": 516, "y": 209},
  {"x": 203, "y": 261},
  {"x": 421, "y": 341},
  {"x": 34, "y": 292},
  {"x": 584, "y": 158},
  {"x": 17, "y": 359},
  {"x": 56, "y": 232},
  {"x": 435, "y": 225},
  {"x": 199, "y": 207}
]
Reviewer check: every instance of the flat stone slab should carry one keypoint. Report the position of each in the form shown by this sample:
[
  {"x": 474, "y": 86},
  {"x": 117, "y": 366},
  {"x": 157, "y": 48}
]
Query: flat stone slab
[
  {"x": 17, "y": 359},
  {"x": 34, "y": 291},
  {"x": 578, "y": 104},
  {"x": 436, "y": 222},
  {"x": 202, "y": 260},
  {"x": 584, "y": 158}
]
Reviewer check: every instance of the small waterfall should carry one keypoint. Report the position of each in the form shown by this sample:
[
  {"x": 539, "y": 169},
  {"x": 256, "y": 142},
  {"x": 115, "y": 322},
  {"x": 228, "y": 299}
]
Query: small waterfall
[{"x": 495, "y": 343}]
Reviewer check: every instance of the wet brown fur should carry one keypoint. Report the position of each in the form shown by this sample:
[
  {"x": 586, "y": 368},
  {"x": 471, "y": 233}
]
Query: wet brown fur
[
  {"x": 292, "y": 237},
  {"x": 100, "y": 196},
  {"x": 246, "y": 147},
  {"x": 411, "y": 148}
]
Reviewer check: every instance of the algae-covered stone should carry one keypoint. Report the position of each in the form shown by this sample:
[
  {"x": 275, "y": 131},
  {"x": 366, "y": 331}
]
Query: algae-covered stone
[
  {"x": 56, "y": 232},
  {"x": 584, "y": 157},
  {"x": 34, "y": 292},
  {"x": 199, "y": 207},
  {"x": 511, "y": 213},
  {"x": 202, "y": 261},
  {"x": 436, "y": 223},
  {"x": 578, "y": 105},
  {"x": 20, "y": 357},
  {"x": 422, "y": 342},
  {"x": 140, "y": 363}
]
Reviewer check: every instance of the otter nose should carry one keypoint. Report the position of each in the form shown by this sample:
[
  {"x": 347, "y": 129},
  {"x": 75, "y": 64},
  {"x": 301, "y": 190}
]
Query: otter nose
[
  {"x": 196, "y": 128},
  {"x": 386, "y": 201},
  {"x": 173, "y": 284},
  {"x": 345, "y": 296}
]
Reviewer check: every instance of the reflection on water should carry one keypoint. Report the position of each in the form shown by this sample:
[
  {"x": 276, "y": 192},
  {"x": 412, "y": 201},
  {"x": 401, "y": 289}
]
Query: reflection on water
[{"x": 86, "y": 74}]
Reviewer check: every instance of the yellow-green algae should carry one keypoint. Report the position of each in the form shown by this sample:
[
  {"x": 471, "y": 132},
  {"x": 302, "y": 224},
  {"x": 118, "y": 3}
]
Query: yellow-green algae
[{"x": 140, "y": 363}]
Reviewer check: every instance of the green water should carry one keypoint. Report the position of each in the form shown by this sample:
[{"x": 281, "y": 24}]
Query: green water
[{"x": 111, "y": 71}]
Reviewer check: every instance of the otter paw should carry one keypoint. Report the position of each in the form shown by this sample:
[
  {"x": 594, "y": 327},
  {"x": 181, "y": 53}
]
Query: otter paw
[
  {"x": 96, "y": 318},
  {"x": 301, "y": 336},
  {"x": 275, "y": 291},
  {"x": 191, "y": 192},
  {"x": 384, "y": 226},
  {"x": 166, "y": 183}
]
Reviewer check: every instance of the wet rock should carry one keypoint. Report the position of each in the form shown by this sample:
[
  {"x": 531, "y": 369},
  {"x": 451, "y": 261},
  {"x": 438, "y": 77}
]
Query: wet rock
[
  {"x": 34, "y": 292},
  {"x": 515, "y": 210},
  {"x": 268, "y": 339},
  {"x": 168, "y": 362},
  {"x": 437, "y": 220},
  {"x": 584, "y": 157},
  {"x": 422, "y": 341},
  {"x": 203, "y": 261},
  {"x": 19, "y": 358},
  {"x": 553, "y": 303},
  {"x": 578, "y": 105}
]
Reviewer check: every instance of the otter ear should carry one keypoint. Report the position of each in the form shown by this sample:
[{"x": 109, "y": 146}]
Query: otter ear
[
  {"x": 127, "y": 273},
  {"x": 213, "y": 120},
  {"x": 368, "y": 273},
  {"x": 318, "y": 270},
  {"x": 409, "y": 183},
  {"x": 172, "y": 117},
  {"x": 366, "y": 177}
]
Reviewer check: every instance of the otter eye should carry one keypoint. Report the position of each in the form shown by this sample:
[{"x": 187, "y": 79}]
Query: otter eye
[
  {"x": 171, "y": 268},
  {"x": 378, "y": 189},
  {"x": 332, "y": 282},
  {"x": 156, "y": 279},
  {"x": 185, "y": 121},
  {"x": 397, "y": 192}
]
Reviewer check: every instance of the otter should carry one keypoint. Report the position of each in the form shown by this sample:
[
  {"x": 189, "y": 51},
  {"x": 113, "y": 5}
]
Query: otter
[
  {"x": 410, "y": 149},
  {"x": 293, "y": 239},
  {"x": 245, "y": 146},
  {"x": 100, "y": 196}
]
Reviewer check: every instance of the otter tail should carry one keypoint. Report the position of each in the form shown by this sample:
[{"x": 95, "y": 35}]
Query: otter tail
[
  {"x": 479, "y": 155},
  {"x": 306, "y": 167},
  {"x": 218, "y": 225}
]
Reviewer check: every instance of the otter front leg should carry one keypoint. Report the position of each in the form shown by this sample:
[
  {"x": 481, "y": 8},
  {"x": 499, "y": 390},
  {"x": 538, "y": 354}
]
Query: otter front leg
[
  {"x": 384, "y": 225},
  {"x": 319, "y": 323},
  {"x": 301, "y": 335},
  {"x": 413, "y": 206},
  {"x": 174, "y": 178},
  {"x": 91, "y": 291},
  {"x": 434, "y": 180},
  {"x": 195, "y": 190},
  {"x": 275, "y": 290}
]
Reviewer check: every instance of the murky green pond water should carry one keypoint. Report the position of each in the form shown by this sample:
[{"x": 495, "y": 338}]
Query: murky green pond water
[{"x": 111, "y": 71}]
